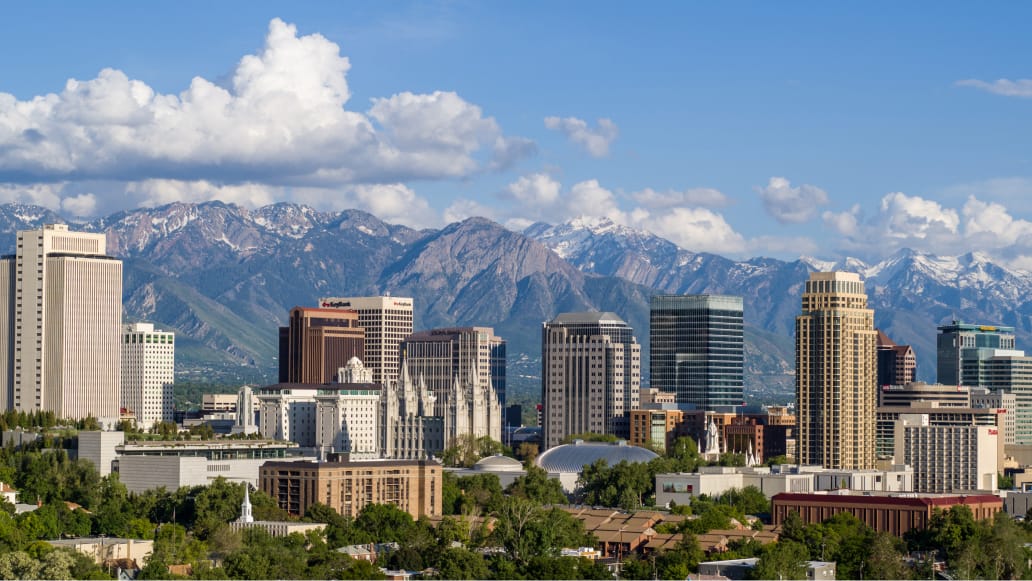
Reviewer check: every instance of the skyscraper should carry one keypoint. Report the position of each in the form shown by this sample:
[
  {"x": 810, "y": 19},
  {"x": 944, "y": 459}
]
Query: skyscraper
[
  {"x": 836, "y": 372},
  {"x": 387, "y": 321},
  {"x": 697, "y": 349},
  {"x": 897, "y": 364},
  {"x": 61, "y": 315},
  {"x": 958, "y": 347},
  {"x": 985, "y": 356},
  {"x": 464, "y": 369},
  {"x": 590, "y": 374},
  {"x": 148, "y": 373},
  {"x": 317, "y": 343}
]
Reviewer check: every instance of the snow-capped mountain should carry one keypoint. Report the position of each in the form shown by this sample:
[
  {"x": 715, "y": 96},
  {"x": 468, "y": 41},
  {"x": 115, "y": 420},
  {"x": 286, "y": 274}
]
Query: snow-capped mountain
[
  {"x": 224, "y": 278},
  {"x": 911, "y": 292}
]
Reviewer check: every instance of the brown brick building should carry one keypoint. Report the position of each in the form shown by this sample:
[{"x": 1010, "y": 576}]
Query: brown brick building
[
  {"x": 317, "y": 343},
  {"x": 891, "y": 514},
  {"x": 412, "y": 485}
]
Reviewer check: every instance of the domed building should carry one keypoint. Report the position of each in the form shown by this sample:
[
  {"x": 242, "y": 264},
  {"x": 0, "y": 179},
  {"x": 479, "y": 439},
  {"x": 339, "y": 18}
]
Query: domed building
[
  {"x": 505, "y": 468},
  {"x": 566, "y": 462}
]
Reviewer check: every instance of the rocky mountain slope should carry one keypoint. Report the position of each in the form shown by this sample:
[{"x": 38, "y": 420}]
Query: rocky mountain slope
[{"x": 224, "y": 278}]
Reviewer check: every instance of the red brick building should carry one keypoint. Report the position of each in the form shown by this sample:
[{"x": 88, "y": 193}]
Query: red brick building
[{"x": 891, "y": 514}]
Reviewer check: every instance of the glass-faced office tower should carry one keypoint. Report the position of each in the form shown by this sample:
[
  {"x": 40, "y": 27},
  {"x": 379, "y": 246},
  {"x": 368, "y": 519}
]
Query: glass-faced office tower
[{"x": 697, "y": 345}]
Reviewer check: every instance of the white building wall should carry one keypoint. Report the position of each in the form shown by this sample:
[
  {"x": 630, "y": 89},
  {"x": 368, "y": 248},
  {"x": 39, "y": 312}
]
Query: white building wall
[
  {"x": 148, "y": 373},
  {"x": 98, "y": 448},
  {"x": 948, "y": 458},
  {"x": 290, "y": 415},
  {"x": 349, "y": 423}
]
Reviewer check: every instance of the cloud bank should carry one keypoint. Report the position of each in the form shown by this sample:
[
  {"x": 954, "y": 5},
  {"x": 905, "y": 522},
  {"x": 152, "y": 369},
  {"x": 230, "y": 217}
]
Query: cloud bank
[{"x": 279, "y": 123}]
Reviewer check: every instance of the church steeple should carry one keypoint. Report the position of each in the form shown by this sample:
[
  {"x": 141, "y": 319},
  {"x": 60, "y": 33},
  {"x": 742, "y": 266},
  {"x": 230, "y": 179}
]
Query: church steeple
[{"x": 245, "y": 506}]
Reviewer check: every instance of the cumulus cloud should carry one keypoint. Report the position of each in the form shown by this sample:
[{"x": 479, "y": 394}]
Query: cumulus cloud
[
  {"x": 791, "y": 205},
  {"x": 1005, "y": 87},
  {"x": 537, "y": 191},
  {"x": 280, "y": 122},
  {"x": 541, "y": 197},
  {"x": 925, "y": 225},
  {"x": 461, "y": 209},
  {"x": 595, "y": 140},
  {"x": 915, "y": 218}
]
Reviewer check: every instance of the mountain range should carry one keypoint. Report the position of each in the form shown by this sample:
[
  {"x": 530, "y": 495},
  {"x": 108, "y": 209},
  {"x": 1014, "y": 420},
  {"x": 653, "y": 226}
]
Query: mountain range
[{"x": 224, "y": 278}]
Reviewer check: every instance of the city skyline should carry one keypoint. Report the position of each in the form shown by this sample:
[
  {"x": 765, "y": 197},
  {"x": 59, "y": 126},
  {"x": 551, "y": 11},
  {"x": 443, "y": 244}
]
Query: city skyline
[{"x": 867, "y": 133}]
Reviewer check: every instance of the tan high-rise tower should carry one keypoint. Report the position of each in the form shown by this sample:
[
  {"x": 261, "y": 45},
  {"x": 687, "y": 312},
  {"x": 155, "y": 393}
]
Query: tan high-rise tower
[
  {"x": 61, "y": 305},
  {"x": 836, "y": 373},
  {"x": 387, "y": 321}
]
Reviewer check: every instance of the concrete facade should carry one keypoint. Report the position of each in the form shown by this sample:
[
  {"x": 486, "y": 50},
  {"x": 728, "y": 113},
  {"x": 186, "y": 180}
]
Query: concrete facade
[{"x": 148, "y": 373}]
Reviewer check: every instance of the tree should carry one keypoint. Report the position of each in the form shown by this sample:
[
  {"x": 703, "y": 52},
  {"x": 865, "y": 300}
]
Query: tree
[
  {"x": 784, "y": 559},
  {"x": 386, "y": 522},
  {"x": 680, "y": 561},
  {"x": 19, "y": 565},
  {"x": 462, "y": 564},
  {"x": 535, "y": 485},
  {"x": 358, "y": 569}
]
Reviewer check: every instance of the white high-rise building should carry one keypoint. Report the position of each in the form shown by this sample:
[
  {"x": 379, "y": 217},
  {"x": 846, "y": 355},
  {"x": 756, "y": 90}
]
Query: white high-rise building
[
  {"x": 387, "y": 321},
  {"x": 148, "y": 373},
  {"x": 61, "y": 319}
]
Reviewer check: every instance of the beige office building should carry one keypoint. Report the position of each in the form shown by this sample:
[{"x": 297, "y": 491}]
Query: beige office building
[
  {"x": 836, "y": 373},
  {"x": 591, "y": 375},
  {"x": 61, "y": 300},
  {"x": 148, "y": 373},
  {"x": 387, "y": 321},
  {"x": 414, "y": 486}
]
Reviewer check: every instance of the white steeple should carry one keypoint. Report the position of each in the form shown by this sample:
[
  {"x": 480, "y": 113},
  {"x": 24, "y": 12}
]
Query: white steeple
[{"x": 245, "y": 507}]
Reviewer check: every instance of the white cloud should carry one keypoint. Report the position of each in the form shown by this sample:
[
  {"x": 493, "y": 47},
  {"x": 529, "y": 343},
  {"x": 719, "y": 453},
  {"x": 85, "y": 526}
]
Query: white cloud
[
  {"x": 1005, "y": 87},
  {"x": 708, "y": 197},
  {"x": 279, "y": 122},
  {"x": 538, "y": 190},
  {"x": 845, "y": 223},
  {"x": 790, "y": 205},
  {"x": 993, "y": 227},
  {"x": 461, "y": 209},
  {"x": 595, "y": 140},
  {"x": 156, "y": 192},
  {"x": 80, "y": 205},
  {"x": 589, "y": 198},
  {"x": 541, "y": 197},
  {"x": 696, "y": 229},
  {"x": 925, "y": 225},
  {"x": 909, "y": 218}
]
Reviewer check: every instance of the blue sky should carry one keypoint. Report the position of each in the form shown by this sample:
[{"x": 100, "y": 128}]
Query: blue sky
[{"x": 745, "y": 129}]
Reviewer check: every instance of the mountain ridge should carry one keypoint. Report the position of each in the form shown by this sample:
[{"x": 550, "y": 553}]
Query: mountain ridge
[{"x": 224, "y": 277}]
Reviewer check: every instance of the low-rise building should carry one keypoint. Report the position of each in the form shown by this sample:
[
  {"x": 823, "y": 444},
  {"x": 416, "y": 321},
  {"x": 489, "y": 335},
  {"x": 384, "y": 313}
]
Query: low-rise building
[
  {"x": 103, "y": 549},
  {"x": 414, "y": 486},
  {"x": 891, "y": 513},
  {"x": 680, "y": 488},
  {"x": 145, "y": 466},
  {"x": 506, "y": 469},
  {"x": 741, "y": 569}
]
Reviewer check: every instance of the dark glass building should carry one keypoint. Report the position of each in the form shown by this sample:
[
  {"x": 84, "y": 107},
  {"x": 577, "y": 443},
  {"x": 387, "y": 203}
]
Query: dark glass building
[
  {"x": 697, "y": 344},
  {"x": 960, "y": 347}
]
